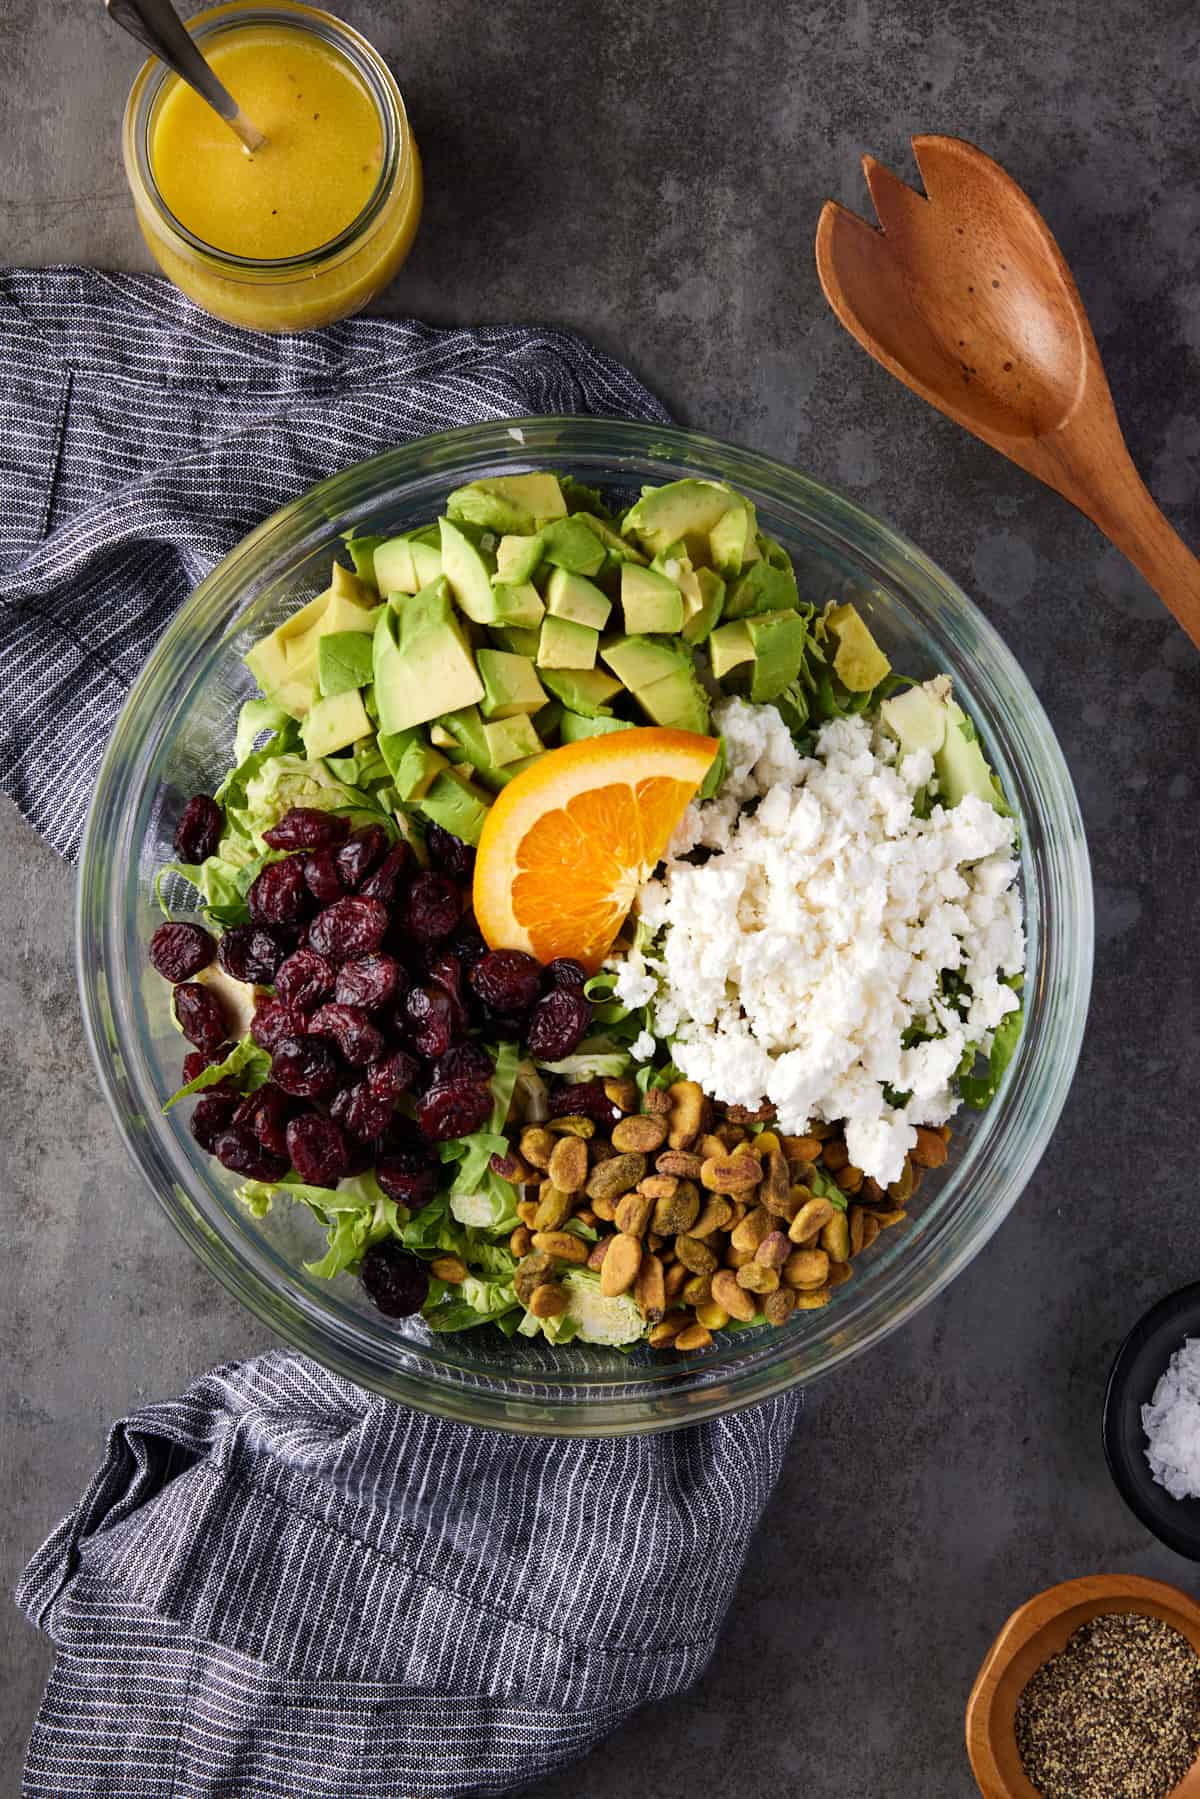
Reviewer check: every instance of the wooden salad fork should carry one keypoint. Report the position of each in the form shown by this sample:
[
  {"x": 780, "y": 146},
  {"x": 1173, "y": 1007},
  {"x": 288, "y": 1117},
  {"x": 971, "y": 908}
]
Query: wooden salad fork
[{"x": 963, "y": 294}]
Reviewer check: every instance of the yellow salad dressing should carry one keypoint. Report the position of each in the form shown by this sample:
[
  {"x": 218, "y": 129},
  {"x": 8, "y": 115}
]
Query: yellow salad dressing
[{"x": 334, "y": 149}]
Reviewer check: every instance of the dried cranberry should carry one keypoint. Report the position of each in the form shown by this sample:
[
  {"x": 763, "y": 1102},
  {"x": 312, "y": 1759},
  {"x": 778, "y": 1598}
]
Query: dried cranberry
[
  {"x": 557, "y": 1025},
  {"x": 408, "y": 1176},
  {"x": 239, "y": 1150},
  {"x": 359, "y": 854},
  {"x": 454, "y": 1109},
  {"x": 199, "y": 829},
  {"x": 178, "y": 951},
  {"x": 382, "y": 882},
  {"x": 449, "y": 854},
  {"x": 251, "y": 952},
  {"x": 305, "y": 1067},
  {"x": 361, "y": 1155},
  {"x": 350, "y": 927},
  {"x": 392, "y": 1074},
  {"x": 304, "y": 980},
  {"x": 364, "y": 1114},
  {"x": 466, "y": 941},
  {"x": 197, "y": 1060},
  {"x": 275, "y": 1022},
  {"x": 317, "y": 1148},
  {"x": 433, "y": 908},
  {"x": 265, "y": 1112},
  {"x": 278, "y": 895},
  {"x": 212, "y": 1115},
  {"x": 394, "y": 1281},
  {"x": 321, "y": 877},
  {"x": 564, "y": 971},
  {"x": 465, "y": 1062},
  {"x": 199, "y": 1015},
  {"x": 586, "y": 1099},
  {"x": 352, "y": 1031},
  {"x": 430, "y": 1015},
  {"x": 371, "y": 982},
  {"x": 507, "y": 980},
  {"x": 307, "y": 828},
  {"x": 446, "y": 972}
]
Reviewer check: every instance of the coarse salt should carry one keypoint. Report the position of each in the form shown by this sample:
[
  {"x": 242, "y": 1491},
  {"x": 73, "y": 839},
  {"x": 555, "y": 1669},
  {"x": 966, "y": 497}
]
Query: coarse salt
[{"x": 1172, "y": 1424}]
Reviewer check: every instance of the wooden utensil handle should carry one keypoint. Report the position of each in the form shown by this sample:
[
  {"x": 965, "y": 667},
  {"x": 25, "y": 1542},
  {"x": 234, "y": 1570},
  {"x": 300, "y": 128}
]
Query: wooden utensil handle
[{"x": 1129, "y": 518}]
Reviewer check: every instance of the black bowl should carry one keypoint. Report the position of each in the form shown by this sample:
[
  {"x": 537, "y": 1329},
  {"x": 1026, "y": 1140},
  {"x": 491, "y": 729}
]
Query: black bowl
[{"x": 1141, "y": 1360}]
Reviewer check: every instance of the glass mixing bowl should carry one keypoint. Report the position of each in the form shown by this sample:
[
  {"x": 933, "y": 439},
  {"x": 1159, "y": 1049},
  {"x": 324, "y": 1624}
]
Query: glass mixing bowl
[{"x": 174, "y": 737}]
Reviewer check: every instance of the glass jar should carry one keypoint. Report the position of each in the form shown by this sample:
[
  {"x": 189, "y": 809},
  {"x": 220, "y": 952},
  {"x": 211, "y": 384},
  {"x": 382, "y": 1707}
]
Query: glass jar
[{"x": 289, "y": 293}]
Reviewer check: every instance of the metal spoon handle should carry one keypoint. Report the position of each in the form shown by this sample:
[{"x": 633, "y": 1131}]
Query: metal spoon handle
[{"x": 157, "y": 25}]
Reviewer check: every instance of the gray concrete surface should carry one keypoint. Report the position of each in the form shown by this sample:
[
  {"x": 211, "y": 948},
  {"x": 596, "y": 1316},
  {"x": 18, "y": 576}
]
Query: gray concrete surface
[{"x": 652, "y": 176}]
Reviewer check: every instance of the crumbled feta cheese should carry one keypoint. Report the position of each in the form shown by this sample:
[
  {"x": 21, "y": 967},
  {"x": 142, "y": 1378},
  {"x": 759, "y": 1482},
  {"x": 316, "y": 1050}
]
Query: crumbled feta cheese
[
  {"x": 791, "y": 961},
  {"x": 642, "y": 1047}
]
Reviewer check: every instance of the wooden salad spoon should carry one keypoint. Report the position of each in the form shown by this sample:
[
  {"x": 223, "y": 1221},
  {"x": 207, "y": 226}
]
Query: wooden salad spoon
[{"x": 963, "y": 294}]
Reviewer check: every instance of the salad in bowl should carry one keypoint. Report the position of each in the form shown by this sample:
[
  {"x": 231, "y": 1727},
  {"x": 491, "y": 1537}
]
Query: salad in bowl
[{"x": 593, "y": 931}]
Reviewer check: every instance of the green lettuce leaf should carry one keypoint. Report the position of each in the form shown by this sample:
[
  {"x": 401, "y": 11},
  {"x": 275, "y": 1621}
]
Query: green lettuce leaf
[
  {"x": 246, "y": 1064},
  {"x": 978, "y": 1091},
  {"x": 825, "y": 1187},
  {"x": 256, "y": 716},
  {"x": 596, "y": 1056},
  {"x": 353, "y": 1216}
]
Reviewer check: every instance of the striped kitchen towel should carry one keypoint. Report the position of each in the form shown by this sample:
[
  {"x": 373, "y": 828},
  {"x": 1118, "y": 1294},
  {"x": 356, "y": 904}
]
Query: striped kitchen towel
[{"x": 277, "y": 1586}]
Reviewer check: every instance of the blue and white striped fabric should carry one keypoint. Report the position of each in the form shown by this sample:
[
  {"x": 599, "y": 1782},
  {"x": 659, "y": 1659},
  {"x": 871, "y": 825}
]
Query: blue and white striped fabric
[
  {"x": 278, "y": 1587},
  {"x": 141, "y": 440}
]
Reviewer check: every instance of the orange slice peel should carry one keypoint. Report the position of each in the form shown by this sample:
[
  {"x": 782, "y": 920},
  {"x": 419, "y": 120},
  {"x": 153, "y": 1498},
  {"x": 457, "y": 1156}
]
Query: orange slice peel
[{"x": 567, "y": 844}]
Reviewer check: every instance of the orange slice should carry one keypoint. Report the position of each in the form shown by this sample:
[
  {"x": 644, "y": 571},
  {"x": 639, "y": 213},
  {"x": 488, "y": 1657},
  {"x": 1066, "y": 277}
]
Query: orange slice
[{"x": 567, "y": 844}]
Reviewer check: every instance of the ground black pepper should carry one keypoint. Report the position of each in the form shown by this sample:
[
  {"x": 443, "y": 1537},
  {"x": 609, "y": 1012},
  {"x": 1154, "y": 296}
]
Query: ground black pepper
[{"x": 1116, "y": 1715}]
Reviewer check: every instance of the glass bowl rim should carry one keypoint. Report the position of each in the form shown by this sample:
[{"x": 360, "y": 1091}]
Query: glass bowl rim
[{"x": 1034, "y": 1090}]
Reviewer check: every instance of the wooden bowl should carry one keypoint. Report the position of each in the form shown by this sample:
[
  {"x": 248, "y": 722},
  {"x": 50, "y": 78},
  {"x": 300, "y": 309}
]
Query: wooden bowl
[{"x": 1032, "y": 1635}]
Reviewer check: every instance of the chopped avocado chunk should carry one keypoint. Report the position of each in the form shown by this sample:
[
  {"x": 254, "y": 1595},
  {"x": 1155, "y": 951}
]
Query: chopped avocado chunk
[
  {"x": 961, "y": 766},
  {"x": 518, "y": 639},
  {"x": 731, "y": 540},
  {"x": 570, "y": 544},
  {"x": 511, "y": 739},
  {"x": 469, "y": 572},
  {"x": 508, "y": 503},
  {"x": 285, "y": 663},
  {"x": 619, "y": 548},
  {"x": 416, "y": 769},
  {"x": 465, "y": 729},
  {"x": 334, "y": 723},
  {"x": 571, "y": 596},
  {"x": 637, "y": 661},
  {"x": 518, "y": 604},
  {"x": 729, "y": 646},
  {"x": 698, "y": 624},
  {"x": 778, "y": 640},
  {"x": 406, "y": 564},
  {"x": 422, "y": 662},
  {"x": 511, "y": 504},
  {"x": 575, "y": 728},
  {"x": 343, "y": 661},
  {"x": 362, "y": 555},
  {"x": 517, "y": 558},
  {"x": 586, "y": 691},
  {"x": 916, "y": 719},
  {"x": 457, "y": 806},
  {"x": 858, "y": 661},
  {"x": 762, "y": 588},
  {"x": 565, "y": 644},
  {"x": 510, "y": 684},
  {"x": 682, "y": 509},
  {"x": 394, "y": 571},
  {"x": 678, "y": 700},
  {"x": 441, "y": 737},
  {"x": 650, "y": 601}
]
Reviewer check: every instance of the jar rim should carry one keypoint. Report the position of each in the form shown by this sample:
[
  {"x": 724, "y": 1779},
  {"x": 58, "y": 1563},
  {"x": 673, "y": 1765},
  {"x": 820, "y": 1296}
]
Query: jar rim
[{"x": 151, "y": 81}]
